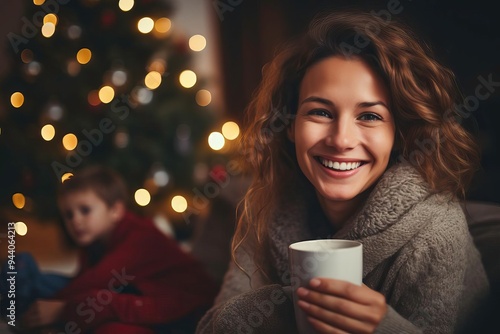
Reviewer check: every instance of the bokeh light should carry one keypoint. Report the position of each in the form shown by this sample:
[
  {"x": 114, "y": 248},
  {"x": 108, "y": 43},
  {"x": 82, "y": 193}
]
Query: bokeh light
[
  {"x": 143, "y": 95},
  {"x": 106, "y": 94},
  {"x": 230, "y": 130},
  {"x": 203, "y": 97},
  {"x": 93, "y": 98},
  {"x": 126, "y": 5},
  {"x": 161, "y": 178},
  {"x": 197, "y": 43},
  {"x": 70, "y": 141},
  {"x": 17, "y": 99},
  {"x": 179, "y": 204},
  {"x": 83, "y": 56},
  {"x": 163, "y": 25},
  {"x": 55, "y": 111},
  {"x": 50, "y": 18},
  {"x": 26, "y": 56},
  {"x": 73, "y": 67},
  {"x": 152, "y": 80},
  {"x": 48, "y": 132},
  {"x": 216, "y": 141},
  {"x": 119, "y": 78},
  {"x": 145, "y": 25},
  {"x": 66, "y": 176},
  {"x": 38, "y": 2},
  {"x": 142, "y": 197},
  {"x": 187, "y": 78},
  {"x": 21, "y": 228},
  {"x": 48, "y": 29},
  {"x": 34, "y": 68},
  {"x": 157, "y": 65},
  {"x": 121, "y": 139},
  {"x": 18, "y": 200},
  {"x": 74, "y": 32}
]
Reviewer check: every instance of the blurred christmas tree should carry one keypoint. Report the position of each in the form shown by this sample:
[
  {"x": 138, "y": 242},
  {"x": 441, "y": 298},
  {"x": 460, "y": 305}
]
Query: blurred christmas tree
[{"x": 101, "y": 82}]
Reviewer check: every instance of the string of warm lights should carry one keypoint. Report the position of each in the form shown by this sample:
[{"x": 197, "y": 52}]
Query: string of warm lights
[{"x": 112, "y": 81}]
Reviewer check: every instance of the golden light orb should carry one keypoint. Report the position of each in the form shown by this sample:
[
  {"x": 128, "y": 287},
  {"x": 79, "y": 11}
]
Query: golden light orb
[
  {"x": 179, "y": 204},
  {"x": 152, "y": 80},
  {"x": 106, "y": 94},
  {"x": 66, "y": 176},
  {"x": 21, "y": 228},
  {"x": 187, "y": 79},
  {"x": 83, "y": 56},
  {"x": 216, "y": 141},
  {"x": 17, "y": 99},
  {"x": 70, "y": 141},
  {"x": 126, "y": 5},
  {"x": 48, "y": 29},
  {"x": 197, "y": 43},
  {"x": 163, "y": 25},
  {"x": 203, "y": 97},
  {"x": 50, "y": 18},
  {"x": 19, "y": 200},
  {"x": 230, "y": 130},
  {"x": 48, "y": 132},
  {"x": 142, "y": 197},
  {"x": 145, "y": 25}
]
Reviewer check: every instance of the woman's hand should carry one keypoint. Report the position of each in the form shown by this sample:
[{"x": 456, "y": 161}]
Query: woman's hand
[
  {"x": 335, "y": 306},
  {"x": 42, "y": 313}
]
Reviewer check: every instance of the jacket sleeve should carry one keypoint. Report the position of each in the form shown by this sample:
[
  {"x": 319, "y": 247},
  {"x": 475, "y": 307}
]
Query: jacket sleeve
[{"x": 431, "y": 289}]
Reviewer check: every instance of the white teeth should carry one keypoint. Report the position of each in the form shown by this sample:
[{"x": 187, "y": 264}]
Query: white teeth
[{"x": 339, "y": 165}]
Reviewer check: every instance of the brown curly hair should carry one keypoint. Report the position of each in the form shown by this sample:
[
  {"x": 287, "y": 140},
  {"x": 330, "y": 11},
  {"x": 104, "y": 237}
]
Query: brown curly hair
[{"x": 422, "y": 98}]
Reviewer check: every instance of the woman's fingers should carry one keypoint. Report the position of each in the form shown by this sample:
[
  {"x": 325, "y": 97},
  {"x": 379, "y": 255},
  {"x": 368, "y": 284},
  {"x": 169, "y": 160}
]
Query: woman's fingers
[
  {"x": 357, "y": 293},
  {"x": 338, "y": 305},
  {"x": 329, "y": 320}
]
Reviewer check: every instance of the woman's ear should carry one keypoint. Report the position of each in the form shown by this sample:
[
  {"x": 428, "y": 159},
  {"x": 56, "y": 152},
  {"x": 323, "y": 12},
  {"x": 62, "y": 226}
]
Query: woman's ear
[{"x": 291, "y": 132}]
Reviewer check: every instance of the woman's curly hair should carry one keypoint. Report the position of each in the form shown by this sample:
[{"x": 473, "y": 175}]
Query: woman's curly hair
[{"x": 423, "y": 95}]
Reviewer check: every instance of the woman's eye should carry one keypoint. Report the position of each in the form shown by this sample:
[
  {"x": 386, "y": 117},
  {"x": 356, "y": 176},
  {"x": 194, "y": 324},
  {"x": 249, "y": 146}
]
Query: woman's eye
[
  {"x": 68, "y": 215},
  {"x": 320, "y": 112},
  {"x": 370, "y": 117}
]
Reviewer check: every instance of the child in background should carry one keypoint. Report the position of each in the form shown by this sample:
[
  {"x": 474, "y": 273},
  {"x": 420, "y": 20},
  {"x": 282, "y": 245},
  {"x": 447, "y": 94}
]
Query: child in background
[{"x": 132, "y": 278}]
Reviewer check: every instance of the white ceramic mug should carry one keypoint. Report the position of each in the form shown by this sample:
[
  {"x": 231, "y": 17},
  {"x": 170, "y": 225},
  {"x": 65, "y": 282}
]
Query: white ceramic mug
[{"x": 328, "y": 258}]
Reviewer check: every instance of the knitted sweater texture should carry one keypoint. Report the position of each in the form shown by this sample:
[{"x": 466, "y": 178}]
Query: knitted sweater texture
[{"x": 417, "y": 252}]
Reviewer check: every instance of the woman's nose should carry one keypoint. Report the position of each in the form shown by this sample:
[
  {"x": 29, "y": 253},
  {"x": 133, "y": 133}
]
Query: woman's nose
[{"x": 342, "y": 135}]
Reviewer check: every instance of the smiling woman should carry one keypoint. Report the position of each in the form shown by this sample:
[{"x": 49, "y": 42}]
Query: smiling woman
[
  {"x": 364, "y": 94},
  {"x": 344, "y": 141}
]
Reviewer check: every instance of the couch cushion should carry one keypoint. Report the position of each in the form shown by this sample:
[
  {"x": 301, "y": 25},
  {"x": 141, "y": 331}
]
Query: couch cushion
[{"x": 484, "y": 226}]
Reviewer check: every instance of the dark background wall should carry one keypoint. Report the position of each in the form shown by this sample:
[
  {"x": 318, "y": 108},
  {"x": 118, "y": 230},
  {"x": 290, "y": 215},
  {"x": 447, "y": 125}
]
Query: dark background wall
[{"x": 465, "y": 36}]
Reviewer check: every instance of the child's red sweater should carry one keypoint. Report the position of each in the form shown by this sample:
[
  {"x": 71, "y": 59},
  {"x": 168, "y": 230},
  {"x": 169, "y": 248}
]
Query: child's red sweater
[{"x": 143, "y": 278}]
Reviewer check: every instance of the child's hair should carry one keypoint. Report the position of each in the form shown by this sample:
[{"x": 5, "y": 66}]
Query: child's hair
[
  {"x": 104, "y": 182},
  {"x": 423, "y": 94}
]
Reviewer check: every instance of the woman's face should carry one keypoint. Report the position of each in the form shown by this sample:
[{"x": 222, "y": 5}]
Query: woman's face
[{"x": 344, "y": 131}]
